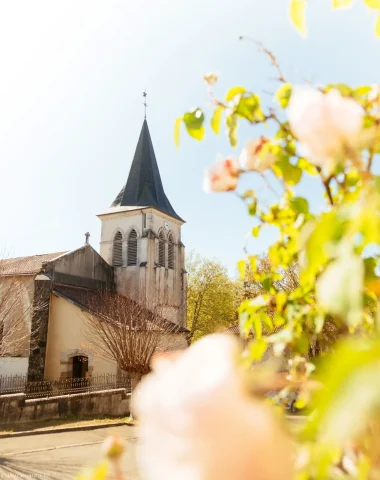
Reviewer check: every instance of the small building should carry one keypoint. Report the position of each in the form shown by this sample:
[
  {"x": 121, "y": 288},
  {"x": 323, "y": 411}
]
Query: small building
[{"x": 141, "y": 257}]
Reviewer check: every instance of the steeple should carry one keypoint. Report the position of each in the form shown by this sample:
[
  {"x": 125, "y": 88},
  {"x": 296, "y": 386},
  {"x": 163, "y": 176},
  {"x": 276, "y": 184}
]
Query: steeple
[{"x": 144, "y": 186}]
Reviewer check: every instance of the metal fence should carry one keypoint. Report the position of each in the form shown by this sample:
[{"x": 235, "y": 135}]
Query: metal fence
[{"x": 67, "y": 386}]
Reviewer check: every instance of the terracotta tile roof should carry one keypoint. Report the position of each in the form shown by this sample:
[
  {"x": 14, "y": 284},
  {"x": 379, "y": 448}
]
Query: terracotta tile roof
[
  {"x": 100, "y": 304},
  {"x": 26, "y": 265}
]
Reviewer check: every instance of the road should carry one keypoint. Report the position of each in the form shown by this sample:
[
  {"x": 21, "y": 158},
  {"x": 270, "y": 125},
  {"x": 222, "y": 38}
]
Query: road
[{"x": 62, "y": 455}]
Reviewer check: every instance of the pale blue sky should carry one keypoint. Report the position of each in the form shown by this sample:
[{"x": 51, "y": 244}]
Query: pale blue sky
[{"x": 72, "y": 75}]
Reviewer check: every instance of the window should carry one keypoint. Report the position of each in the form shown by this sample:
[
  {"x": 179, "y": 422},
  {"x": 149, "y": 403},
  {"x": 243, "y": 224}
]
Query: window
[
  {"x": 132, "y": 248},
  {"x": 170, "y": 252},
  {"x": 161, "y": 249},
  {"x": 117, "y": 257}
]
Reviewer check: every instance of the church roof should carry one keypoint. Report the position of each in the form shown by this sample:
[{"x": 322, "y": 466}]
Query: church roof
[
  {"x": 102, "y": 305},
  {"x": 26, "y": 265},
  {"x": 144, "y": 186}
]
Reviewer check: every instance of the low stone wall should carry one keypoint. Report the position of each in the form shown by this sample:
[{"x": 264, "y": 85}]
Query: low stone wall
[{"x": 16, "y": 408}]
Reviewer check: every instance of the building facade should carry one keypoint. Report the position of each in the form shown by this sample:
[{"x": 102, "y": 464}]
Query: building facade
[{"x": 141, "y": 257}]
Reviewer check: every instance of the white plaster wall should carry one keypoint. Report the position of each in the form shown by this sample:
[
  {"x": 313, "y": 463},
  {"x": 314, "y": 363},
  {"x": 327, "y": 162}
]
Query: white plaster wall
[
  {"x": 66, "y": 338},
  {"x": 157, "y": 287},
  {"x": 14, "y": 366}
]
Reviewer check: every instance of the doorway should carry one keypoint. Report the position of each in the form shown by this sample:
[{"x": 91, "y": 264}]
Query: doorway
[{"x": 80, "y": 366}]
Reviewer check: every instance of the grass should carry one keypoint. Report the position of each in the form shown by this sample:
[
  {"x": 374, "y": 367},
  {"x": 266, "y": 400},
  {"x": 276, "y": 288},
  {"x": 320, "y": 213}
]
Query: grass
[{"x": 70, "y": 421}]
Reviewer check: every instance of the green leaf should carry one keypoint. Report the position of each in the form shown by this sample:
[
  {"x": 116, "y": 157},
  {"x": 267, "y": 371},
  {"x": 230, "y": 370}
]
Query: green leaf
[
  {"x": 216, "y": 119},
  {"x": 377, "y": 26},
  {"x": 233, "y": 92},
  {"x": 257, "y": 348},
  {"x": 350, "y": 393},
  {"x": 341, "y": 3},
  {"x": 307, "y": 167},
  {"x": 101, "y": 471},
  {"x": 257, "y": 327},
  {"x": 344, "y": 89},
  {"x": 232, "y": 128},
  {"x": 266, "y": 322},
  {"x": 194, "y": 123},
  {"x": 283, "y": 95},
  {"x": 284, "y": 169},
  {"x": 340, "y": 288},
  {"x": 242, "y": 269},
  {"x": 299, "y": 204},
  {"x": 252, "y": 207},
  {"x": 317, "y": 239},
  {"x": 298, "y": 16},
  {"x": 302, "y": 344},
  {"x": 249, "y": 107},
  {"x": 363, "y": 90},
  {"x": 256, "y": 231},
  {"x": 377, "y": 184},
  {"x": 177, "y": 131},
  {"x": 373, "y": 4}
]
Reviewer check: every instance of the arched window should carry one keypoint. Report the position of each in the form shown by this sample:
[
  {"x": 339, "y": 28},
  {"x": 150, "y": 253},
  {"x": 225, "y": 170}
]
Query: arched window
[
  {"x": 170, "y": 251},
  {"x": 132, "y": 248},
  {"x": 161, "y": 249},
  {"x": 117, "y": 256}
]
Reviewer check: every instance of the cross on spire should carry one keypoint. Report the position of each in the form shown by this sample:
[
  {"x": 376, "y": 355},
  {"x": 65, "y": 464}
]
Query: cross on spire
[{"x": 145, "y": 104}]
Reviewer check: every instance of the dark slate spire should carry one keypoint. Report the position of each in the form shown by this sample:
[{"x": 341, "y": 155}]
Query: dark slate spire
[{"x": 144, "y": 186}]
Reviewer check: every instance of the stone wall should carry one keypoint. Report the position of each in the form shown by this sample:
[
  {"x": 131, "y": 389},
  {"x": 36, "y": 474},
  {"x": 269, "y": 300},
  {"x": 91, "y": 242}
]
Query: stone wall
[
  {"x": 17, "y": 409},
  {"x": 39, "y": 328}
]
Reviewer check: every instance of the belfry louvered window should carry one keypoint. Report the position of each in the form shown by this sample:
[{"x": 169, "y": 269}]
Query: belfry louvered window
[
  {"x": 170, "y": 251},
  {"x": 117, "y": 255},
  {"x": 132, "y": 248},
  {"x": 161, "y": 249}
]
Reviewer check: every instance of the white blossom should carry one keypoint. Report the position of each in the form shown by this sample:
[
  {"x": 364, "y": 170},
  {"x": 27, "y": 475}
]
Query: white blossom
[
  {"x": 222, "y": 176},
  {"x": 327, "y": 125},
  {"x": 197, "y": 421}
]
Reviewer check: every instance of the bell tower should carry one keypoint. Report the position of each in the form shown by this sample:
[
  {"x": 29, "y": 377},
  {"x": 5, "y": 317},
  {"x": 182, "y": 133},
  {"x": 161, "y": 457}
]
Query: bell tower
[{"x": 141, "y": 238}]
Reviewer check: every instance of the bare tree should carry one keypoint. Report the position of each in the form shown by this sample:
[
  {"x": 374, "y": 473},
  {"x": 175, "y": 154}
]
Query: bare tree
[
  {"x": 17, "y": 306},
  {"x": 252, "y": 288},
  {"x": 123, "y": 331}
]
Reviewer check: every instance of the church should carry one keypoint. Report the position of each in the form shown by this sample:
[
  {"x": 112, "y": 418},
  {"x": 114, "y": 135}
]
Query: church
[{"x": 141, "y": 257}]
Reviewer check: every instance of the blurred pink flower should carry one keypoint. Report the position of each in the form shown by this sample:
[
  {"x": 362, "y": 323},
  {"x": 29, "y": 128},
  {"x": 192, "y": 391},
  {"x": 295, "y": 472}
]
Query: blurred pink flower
[
  {"x": 256, "y": 157},
  {"x": 327, "y": 125},
  {"x": 222, "y": 176},
  {"x": 197, "y": 421}
]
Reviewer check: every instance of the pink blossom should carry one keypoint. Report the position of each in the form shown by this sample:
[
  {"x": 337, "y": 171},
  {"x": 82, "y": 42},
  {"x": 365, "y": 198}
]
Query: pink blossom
[
  {"x": 210, "y": 78},
  {"x": 256, "y": 156},
  {"x": 222, "y": 176},
  {"x": 374, "y": 94},
  {"x": 327, "y": 125},
  {"x": 197, "y": 421}
]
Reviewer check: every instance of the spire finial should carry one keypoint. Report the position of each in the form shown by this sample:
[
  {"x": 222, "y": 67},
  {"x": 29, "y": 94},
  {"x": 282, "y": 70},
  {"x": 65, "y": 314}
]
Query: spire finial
[
  {"x": 145, "y": 104},
  {"x": 87, "y": 235}
]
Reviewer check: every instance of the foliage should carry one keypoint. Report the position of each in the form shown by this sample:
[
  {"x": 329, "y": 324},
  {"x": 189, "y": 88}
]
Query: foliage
[
  {"x": 328, "y": 136},
  {"x": 212, "y": 297},
  {"x": 297, "y": 12}
]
